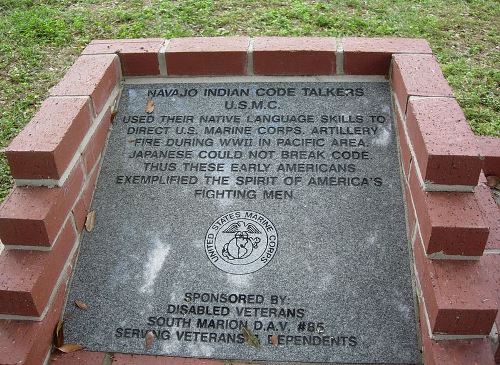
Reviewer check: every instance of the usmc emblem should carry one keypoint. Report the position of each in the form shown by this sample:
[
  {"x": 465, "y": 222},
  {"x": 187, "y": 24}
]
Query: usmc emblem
[{"x": 241, "y": 242}]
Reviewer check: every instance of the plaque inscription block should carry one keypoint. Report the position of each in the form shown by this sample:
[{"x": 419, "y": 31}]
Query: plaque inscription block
[{"x": 249, "y": 220}]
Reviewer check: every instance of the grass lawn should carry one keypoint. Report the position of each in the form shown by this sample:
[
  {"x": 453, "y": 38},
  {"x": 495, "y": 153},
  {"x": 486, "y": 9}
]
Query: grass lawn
[{"x": 39, "y": 40}]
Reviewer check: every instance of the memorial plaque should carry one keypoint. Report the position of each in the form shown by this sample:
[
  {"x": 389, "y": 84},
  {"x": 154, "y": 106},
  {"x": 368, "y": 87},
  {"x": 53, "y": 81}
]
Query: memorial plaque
[{"x": 249, "y": 220}]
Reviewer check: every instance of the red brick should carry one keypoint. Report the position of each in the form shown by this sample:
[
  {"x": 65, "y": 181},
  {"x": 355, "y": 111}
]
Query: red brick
[
  {"x": 491, "y": 214},
  {"x": 497, "y": 352},
  {"x": 93, "y": 75},
  {"x": 417, "y": 75},
  {"x": 454, "y": 352},
  {"x": 461, "y": 297},
  {"x": 410, "y": 212},
  {"x": 450, "y": 223},
  {"x": 27, "y": 342},
  {"x": 138, "y": 57},
  {"x": 77, "y": 358},
  {"x": 372, "y": 56},
  {"x": 490, "y": 150},
  {"x": 404, "y": 149},
  {"x": 82, "y": 206},
  {"x": 96, "y": 144},
  {"x": 294, "y": 56},
  {"x": 207, "y": 56},
  {"x": 45, "y": 147},
  {"x": 28, "y": 278},
  {"x": 34, "y": 215},
  {"x": 445, "y": 147},
  {"x": 125, "y": 359}
]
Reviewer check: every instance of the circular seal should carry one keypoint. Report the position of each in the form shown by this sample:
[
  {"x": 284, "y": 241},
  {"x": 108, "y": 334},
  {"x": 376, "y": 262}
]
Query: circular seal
[{"x": 241, "y": 242}]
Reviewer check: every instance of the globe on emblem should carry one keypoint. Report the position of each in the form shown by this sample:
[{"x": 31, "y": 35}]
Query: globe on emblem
[{"x": 240, "y": 246}]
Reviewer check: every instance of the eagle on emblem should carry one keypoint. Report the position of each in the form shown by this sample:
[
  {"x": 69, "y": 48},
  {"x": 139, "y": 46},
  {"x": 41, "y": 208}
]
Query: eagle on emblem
[{"x": 241, "y": 244}]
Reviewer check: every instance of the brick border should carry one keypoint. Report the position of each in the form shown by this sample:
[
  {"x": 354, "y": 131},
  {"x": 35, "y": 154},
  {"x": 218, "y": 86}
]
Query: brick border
[{"x": 453, "y": 222}]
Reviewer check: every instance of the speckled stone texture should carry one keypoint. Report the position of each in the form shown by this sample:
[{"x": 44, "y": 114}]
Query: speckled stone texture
[{"x": 340, "y": 276}]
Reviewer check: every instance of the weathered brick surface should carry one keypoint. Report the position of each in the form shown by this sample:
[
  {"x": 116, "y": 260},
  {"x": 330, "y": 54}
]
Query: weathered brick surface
[
  {"x": 372, "y": 56},
  {"x": 294, "y": 56},
  {"x": 461, "y": 297},
  {"x": 28, "y": 278},
  {"x": 497, "y": 352},
  {"x": 207, "y": 56},
  {"x": 454, "y": 352},
  {"x": 82, "y": 206},
  {"x": 96, "y": 144},
  {"x": 138, "y": 57},
  {"x": 490, "y": 150},
  {"x": 417, "y": 75},
  {"x": 404, "y": 149},
  {"x": 450, "y": 223},
  {"x": 491, "y": 214},
  {"x": 445, "y": 147},
  {"x": 34, "y": 215},
  {"x": 125, "y": 359},
  {"x": 92, "y": 75},
  {"x": 45, "y": 147},
  {"x": 26, "y": 342},
  {"x": 410, "y": 212},
  {"x": 77, "y": 358}
]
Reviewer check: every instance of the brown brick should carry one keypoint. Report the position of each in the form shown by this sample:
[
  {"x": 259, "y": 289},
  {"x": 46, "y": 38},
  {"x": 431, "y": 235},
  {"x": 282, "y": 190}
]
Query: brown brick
[
  {"x": 82, "y": 206},
  {"x": 410, "y": 212},
  {"x": 490, "y": 150},
  {"x": 27, "y": 342},
  {"x": 77, "y": 358},
  {"x": 34, "y": 215},
  {"x": 417, "y": 75},
  {"x": 404, "y": 149},
  {"x": 138, "y": 57},
  {"x": 45, "y": 147},
  {"x": 450, "y": 223},
  {"x": 207, "y": 56},
  {"x": 461, "y": 297},
  {"x": 125, "y": 359},
  {"x": 92, "y": 75},
  {"x": 372, "y": 56},
  {"x": 28, "y": 277},
  {"x": 445, "y": 147},
  {"x": 454, "y": 352},
  {"x": 491, "y": 214},
  {"x": 497, "y": 352},
  {"x": 294, "y": 56},
  {"x": 96, "y": 144}
]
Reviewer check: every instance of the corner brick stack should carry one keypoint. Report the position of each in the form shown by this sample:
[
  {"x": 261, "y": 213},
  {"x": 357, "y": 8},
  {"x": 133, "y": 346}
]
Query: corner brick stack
[{"x": 453, "y": 222}]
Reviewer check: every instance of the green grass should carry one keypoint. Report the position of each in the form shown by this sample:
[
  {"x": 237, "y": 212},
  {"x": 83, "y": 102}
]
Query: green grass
[{"x": 39, "y": 40}]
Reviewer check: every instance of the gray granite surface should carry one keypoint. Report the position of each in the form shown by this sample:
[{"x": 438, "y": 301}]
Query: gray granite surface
[{"x": 245, "y": 225}]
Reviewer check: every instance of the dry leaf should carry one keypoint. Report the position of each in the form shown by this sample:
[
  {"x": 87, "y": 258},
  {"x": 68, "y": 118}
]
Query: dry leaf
[
  {"x": 81, "y": 305},
  {"x": 59, "y": 334},
  {"x": 150, "y": 106},
  {"x": 90, "y": 221},
  {"x": 492, "y": 181},
  {"x": 150, "y": 338},
  {"x": 70, "y": 347},
  {"x": 250, "y": 338},
  {"x": 113, "y": 115},
  {"x": 274, "y": 340}
]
